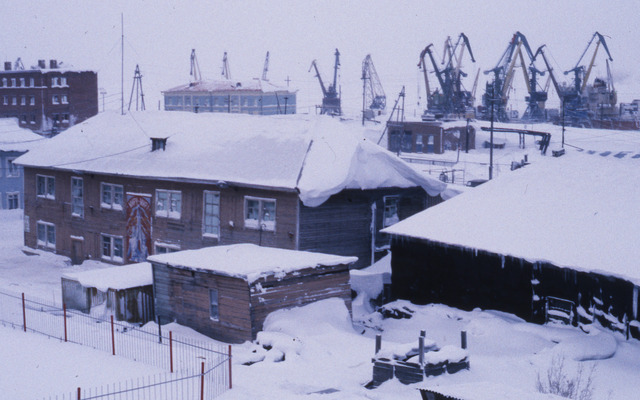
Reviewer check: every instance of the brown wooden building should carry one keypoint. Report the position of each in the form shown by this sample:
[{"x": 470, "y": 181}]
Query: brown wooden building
[
  {"x": 429, "y": 137},
  {"x": 47, "y": 98},
  {"x": 226, "y": 292},
  {"x": 239, "y": 179}
]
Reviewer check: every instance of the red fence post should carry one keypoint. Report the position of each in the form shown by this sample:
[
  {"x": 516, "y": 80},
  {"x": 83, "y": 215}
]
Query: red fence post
[
  {"x": 171, "y": 352},
  {"x": 79, "y": 397},
  {"x": 24, "y": 314},
  {"x": 230, "y": 384},
  {"x": 202, "y": 383},
  {"x": 113, "y": 338},
  {"x": 64, "y": 309}
]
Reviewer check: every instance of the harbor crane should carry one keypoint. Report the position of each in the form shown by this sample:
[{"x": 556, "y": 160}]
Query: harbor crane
[
  {"x": 331, "y": 99},
  {"x": 195, "y": 67},
  {"x": 226, "y": 72},
  {"x": 265, "y": 68},
  {"x": 374, "y": 101},
  {"x": 450, "y": 98}
]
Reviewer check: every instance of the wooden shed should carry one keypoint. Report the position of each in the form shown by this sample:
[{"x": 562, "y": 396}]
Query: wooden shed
[
  {"x": 226, "y": 292},
  {"x": 125, "y": 292}
]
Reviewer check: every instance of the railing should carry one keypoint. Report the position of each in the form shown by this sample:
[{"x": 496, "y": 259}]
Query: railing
[{"x": 187, "y": 359}]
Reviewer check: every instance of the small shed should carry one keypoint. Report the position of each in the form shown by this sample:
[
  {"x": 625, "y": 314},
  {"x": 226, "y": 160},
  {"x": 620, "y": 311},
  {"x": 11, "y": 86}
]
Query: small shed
[
  {"x": 126, "y": 292},
  {"x": 226, "y": 292}
]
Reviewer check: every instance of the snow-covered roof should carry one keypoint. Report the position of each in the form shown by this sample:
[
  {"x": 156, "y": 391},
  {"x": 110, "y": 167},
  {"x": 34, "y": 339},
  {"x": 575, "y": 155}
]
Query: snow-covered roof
[
  {"x": 249, "y": 261},
  {"x": 228, "y": 85},
  {"x": 315, "y": 155},
  {"x": 578, "y": 211},
  {"x": 15, "y": 138},
  {"x": 117, "y": 278}
]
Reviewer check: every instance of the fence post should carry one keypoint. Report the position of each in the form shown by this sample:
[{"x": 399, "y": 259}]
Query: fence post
[
  {"x": 202, "y": 383},
  {"x": 113, "y": 338},
  {"x": 230, "y": 382},
  {"x": 24, "y": 315},
  {"x": 64, "y": 312},
  {"x": 79, "y": 396},
  {"x": 463, "y": 339},
  {"x": 171, "y": 351}
]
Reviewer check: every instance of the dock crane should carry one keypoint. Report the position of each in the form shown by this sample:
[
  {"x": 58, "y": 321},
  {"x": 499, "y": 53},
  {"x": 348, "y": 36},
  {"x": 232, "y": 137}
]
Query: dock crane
[
  {"x": 374, "y": 101},
  {"x": 226, "y": 72},
  {"x": 265, "y": 68},
  {"x": 195, "y": 67},
  {"x": 450, "y": 99},
  {"x": 331, "y": 99},
  {"x": 497, "y": 91}
]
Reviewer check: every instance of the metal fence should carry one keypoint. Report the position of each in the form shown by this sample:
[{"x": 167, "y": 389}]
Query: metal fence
[{"x": 193, "y": 364}]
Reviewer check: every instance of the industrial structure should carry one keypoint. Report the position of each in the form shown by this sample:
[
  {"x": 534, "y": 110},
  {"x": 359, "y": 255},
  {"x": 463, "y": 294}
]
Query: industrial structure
[
  {"x": 450, "y": 99},
  {"x": 330, "y": 97},
  {"x": 374, "y": 101},
  {"x": 47, "y": 98},
  {"x": 256, "y": 96}
]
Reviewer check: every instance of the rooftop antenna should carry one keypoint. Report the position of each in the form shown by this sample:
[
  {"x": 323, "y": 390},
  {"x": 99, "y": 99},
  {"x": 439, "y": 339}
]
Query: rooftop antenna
[
  {"x": 265, "y": 68},
  {"x": 137, "y": 85},
  {"x": 195, "y": 67},
  {"x": 122, "y": 64},
  {"x": 225, "y": 67}
]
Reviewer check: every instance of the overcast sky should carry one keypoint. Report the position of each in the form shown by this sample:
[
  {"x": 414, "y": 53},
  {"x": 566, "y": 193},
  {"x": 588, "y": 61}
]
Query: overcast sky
[{"x": 159, "y": 37}]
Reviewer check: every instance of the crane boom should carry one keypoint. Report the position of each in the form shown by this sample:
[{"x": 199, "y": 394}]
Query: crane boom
[
  {"x": 315, "y": 67},
  {"x": 265, "y": 68}
]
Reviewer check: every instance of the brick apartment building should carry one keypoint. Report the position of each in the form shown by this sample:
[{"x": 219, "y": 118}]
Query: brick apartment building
[{"x": 47, "y": 98}]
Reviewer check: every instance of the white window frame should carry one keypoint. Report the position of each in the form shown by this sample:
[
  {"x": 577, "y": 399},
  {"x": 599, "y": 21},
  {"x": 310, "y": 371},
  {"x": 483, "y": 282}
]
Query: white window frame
[
  {"x": 260, "y": 223},
  {"x": 45, "y": 194},
  {"x": 112, "y": 256},
  {"x": 13, "y": 196},
  {"x": 388, "y": 220},
  {"x": 169, "y": 209},
  {"x": 214, "y": 304},
  {"x": 111, "y": 204},
  {"x": 48, "y": 228},
  {"x": 13, "y": 171},
  {"x": 77, "y": 198},
  {"x": 210, "y": 230}
]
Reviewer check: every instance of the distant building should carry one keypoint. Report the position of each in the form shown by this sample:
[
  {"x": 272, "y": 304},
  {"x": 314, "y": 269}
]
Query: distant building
[
  {"x": 47, "y": 99},
  {"x": 429, "y": 137},
  {"x": 225, "y": 96},
  {"x": 14, "y": 142}
]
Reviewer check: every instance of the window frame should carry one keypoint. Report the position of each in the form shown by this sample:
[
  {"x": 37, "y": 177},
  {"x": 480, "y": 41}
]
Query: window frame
[
  {"x": 55, "y": 99},
  {"x": 260, "y": 223},
  {"x": 112, "y": 248},
  {"x": 167, "y": 208},
  {"x": 205, "y": 226},
  {"x": 167, "y": 248},
  {"x": 77, "y": 200},
  {"x": 45, "y": 194},
  {"x": 386, "y": 219},
  {"x": 214, "y": 306},
  {"x": 48, "y": 229},
  {"x": 11, "y": 197},
  {"x": 111, "y": 205},
  {"x": 13, "y": 170}
]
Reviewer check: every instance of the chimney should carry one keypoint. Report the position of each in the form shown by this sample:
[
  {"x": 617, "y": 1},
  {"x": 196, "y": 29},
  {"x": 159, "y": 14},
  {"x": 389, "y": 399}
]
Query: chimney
[
  {"x": 42, "y": 64},
  {"x": 53, "y": 64},
  {"x": 7, "y": 65},
  {"x": 158, "y": 144}
]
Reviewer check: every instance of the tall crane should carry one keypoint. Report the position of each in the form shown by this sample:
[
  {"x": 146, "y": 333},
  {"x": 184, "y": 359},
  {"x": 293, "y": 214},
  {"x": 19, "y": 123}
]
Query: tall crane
[
  {"x": 450, "y": 98},
  {"x": 226, "y": 72},
  {"x": 195, "y": 67},
  {"x": 265, "y": 68},
  {"x": 374, "y": 101},
  {"x": 331, "y": 99}
]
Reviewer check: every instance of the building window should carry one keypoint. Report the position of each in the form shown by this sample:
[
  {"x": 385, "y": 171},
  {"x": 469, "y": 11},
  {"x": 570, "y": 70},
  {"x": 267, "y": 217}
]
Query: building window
[
  {"x": 23, "y": 100},
  {"x": 112, "y": 248},
  {"x": 13, "y": 82},
  {"x": 168, "y": 203},
  {"x": 23, "y": 119},
  {"x": 63, "y": 81},
  {"x": 214, "y": 308},
  {"x": 46, "y": 186},
  {"x": 14, "y": 101},
  {"x": 32, "y": 100},
  {"x": 112, "y": 196},
  {"x": 55, "y": 81},
  {"x": 32, "y": 82},
  {"x": 33, "y": 119},
  {"x": 211, "y": 212},
  {"x": 55, "y": 99},
  {"x": 12, "y": 169},
  {"x": 46, "y": 234},
  {"x": 77, "y": 197},
  {"x": 13, "y": 200},
  {"x": 65, "y": 118},
  {"x": 164, "y": 248},
  {"x": 5, "y": 100},
  {"x": 390, "y": 210},
  {"x": 260, "y": 213},
  {"x": 21, "y": 83},
  {"x": 4, "y": 82},
  {"x": 64, "y": 99}
]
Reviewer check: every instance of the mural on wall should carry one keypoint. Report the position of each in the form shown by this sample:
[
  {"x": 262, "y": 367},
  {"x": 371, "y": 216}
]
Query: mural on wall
[{"x": 138, "y": 227}]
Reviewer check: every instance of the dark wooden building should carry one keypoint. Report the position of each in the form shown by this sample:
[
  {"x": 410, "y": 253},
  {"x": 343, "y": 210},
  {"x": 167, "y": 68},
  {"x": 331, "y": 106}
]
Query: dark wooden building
[
  {"x": 221, "y": 179},
  {"x": 546, "y": 242},
  {"x": 47, "y": 98},
  {"x": 226, "y": 292},
  {"x": 429, "y": 137}
]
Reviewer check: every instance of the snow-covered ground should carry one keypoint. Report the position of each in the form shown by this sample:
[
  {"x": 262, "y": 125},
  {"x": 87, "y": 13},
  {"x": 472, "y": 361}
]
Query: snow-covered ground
[{"x": 315, "y": 351}]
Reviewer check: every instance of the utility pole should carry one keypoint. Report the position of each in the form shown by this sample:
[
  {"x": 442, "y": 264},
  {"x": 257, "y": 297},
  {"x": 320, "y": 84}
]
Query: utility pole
[
  {"x": 364, "y": 90},
  {"x": 122, "y": 64},
  {"x": 103, "y": 92},
  {"x": 493, "y": 100}
]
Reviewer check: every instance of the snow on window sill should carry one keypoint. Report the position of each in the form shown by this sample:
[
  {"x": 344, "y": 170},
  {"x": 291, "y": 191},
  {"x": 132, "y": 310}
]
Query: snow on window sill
[
  {"x": 115, "y": 207},
  {"x": 211, "y": 235}
]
